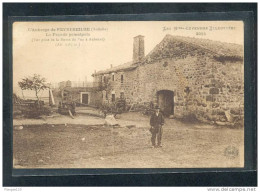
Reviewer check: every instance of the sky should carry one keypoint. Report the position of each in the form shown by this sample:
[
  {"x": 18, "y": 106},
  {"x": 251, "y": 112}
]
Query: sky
[{"x": 34, "y": 52}]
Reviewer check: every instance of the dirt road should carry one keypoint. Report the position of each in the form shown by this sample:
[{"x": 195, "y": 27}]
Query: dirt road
[{"x": 98, "y": 146}]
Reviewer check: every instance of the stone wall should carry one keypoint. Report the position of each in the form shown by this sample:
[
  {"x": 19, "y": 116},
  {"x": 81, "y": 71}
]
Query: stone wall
[
  {"x": 116, "y": 86},
  {"x": 222, "y": 93},
  {"x": 206, "y": 85},
  {"x": 168, "y": 74},
  {"x": 74, "y": 94},
  {"x": 215, "y": 88}
]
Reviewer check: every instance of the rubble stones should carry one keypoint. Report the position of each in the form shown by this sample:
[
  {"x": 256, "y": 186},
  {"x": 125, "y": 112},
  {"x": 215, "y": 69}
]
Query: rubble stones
[
  {"x": 18, "y": 127},
  {"x": 214, "y": 91}
]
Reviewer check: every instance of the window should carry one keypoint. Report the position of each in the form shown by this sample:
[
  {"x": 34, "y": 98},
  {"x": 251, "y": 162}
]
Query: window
[
  {"x": 122, "y": 95},
  {"x": 122, "y": 78},
  {"x": 113, "y": 77},
  {"x": 113, "y": 97}
]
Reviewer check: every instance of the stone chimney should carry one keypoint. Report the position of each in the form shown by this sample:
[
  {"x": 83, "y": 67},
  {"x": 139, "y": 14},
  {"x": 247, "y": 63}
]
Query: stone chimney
[{"x": 138, "y": 50}]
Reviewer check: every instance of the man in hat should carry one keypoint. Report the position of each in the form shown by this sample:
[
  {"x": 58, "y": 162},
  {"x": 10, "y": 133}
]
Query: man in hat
[{"x": 156, "y": 122}]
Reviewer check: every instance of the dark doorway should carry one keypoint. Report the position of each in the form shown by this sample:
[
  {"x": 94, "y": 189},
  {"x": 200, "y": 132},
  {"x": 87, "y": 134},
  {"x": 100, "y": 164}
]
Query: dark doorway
[
  {"x": 113, "y": 97},
  {"x": 84, "y": 98},
  {"x": 165, "y": 100},
  {"x": 122, "y": 79}
]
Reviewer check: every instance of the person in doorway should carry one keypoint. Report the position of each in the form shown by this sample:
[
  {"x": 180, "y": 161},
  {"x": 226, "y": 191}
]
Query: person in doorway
[{"x": 156, "y": 122}]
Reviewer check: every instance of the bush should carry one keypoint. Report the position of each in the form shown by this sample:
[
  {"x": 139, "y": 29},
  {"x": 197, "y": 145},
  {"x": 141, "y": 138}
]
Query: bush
[
  {"x": 35, "y": 112},
  {"x": 236, "y": 111},
  {"x": 189, "y": 118}
]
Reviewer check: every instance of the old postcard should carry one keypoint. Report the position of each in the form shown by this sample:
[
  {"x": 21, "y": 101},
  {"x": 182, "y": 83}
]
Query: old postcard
[{"x": 128, "y": 94}]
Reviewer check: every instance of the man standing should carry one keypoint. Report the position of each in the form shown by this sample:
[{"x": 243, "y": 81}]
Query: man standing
[{"x": 156, "y": 122}]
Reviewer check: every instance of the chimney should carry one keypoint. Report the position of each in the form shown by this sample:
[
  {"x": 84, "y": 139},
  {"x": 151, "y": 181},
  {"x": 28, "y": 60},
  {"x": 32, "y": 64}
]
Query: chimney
[
  {"x": 111, "y": 66},
  {"x": 138, "y": 50}
]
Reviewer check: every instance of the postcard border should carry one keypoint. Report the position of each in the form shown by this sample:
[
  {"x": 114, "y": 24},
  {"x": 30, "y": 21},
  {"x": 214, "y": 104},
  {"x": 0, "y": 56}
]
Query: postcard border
[{"x": 250, "y": 94}]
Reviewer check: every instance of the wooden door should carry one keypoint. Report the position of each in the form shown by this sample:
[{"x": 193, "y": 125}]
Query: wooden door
[{"x": 85, "y": 98}]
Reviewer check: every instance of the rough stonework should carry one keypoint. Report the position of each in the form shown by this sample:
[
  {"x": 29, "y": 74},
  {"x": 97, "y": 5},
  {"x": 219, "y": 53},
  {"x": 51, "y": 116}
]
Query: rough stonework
[
  {"x": 80, "y": 95},
  {"x": 138, "y": 49},
  {"x": 186, "y": 77}
]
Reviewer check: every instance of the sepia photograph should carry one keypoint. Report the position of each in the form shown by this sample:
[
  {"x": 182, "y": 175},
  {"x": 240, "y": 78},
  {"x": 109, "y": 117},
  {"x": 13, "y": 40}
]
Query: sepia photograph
[{"x": 128, "y": 94}]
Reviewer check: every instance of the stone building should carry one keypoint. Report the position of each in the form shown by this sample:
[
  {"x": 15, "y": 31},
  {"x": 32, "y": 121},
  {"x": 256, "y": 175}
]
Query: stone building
[
  {"x": 183, "y": 75},
  {"x": 82, "y": 95}
]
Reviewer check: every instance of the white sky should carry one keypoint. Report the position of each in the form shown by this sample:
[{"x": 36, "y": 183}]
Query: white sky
[{"x": 59, "y": 63}]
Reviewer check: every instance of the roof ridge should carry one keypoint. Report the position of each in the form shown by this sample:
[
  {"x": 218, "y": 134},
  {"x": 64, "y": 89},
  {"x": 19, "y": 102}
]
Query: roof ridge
[
  {"x": 188, "y": 37},
  {"x": 200, "y": 43},
  {"x": 124, "y": 66},
  {"x": 196, "y": 45}
]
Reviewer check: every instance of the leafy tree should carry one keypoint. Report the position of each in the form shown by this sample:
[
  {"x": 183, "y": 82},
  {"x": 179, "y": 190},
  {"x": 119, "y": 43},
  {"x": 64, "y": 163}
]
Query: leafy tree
[
  {"x": 35, "y": 83},
  {"x": 105, "y": 85}
]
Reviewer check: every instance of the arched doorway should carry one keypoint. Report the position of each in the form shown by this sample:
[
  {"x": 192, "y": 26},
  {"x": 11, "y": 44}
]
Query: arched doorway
[{"x": 165, "y": 100}]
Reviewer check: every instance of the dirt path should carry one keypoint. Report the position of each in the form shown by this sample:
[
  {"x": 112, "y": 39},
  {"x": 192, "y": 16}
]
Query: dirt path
[{"x": 98, "y": 146}]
